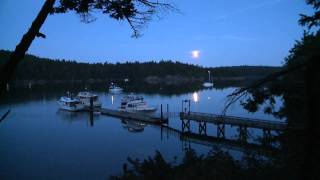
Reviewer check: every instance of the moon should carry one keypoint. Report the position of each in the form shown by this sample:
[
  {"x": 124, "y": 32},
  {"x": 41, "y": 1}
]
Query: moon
[{"x": 195, "y": 54}]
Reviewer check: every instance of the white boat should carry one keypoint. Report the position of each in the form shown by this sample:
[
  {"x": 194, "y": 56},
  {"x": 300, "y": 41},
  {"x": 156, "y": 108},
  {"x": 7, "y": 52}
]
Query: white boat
[
  {"x": 114, "y": 88},
  {"x": 135, "y": 104},
  {"x": 70, "y": 104},
  {"x": 209, "y": 83},
  {"x": 85, "y": 97}
]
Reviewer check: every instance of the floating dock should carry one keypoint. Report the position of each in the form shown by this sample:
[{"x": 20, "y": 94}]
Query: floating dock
[
  {"x": 234, "y": 121},
  {"x": 135, "y": 116}
]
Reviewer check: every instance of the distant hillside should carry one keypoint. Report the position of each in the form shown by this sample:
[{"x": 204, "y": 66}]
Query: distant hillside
[{"x": 44, "y": 70}]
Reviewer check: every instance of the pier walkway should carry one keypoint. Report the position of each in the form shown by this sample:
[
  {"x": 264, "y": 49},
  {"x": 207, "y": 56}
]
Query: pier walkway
[{"x": 233, "y": 121}]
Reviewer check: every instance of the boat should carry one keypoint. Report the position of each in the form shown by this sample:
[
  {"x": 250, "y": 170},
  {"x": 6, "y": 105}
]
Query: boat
[
  {"x": 133, "y": 126},
  {"x": 135, "y": 104},
  {"x": 114, "y": 88},
  {"x": 209, "y": 83},
  {"x": 69, "y": 103},
  {"x": 85, "y": 97}
]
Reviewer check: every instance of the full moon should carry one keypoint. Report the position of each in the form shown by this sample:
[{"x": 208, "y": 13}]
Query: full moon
[{"x": 195, "y": 53}]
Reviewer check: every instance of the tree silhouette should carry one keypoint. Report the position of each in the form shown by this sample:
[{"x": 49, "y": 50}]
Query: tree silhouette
[
  {"x": 298, "y": 84},
  {"x": 292, "y": 64},
  {"x": 313, "y": 20},
  {"x": 136, "y": 12}
]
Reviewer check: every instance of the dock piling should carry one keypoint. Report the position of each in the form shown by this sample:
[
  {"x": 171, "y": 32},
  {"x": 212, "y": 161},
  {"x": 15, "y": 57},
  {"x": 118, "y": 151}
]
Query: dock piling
[
  {"x": 202, "y": 128},
  {"x": 91, "y": 104},
  {"x": 161, "y": 112},
  {"x": 91, "y": 112},
  {"x": 243, "y": 133},
  {"x": 221, "y": 130}
]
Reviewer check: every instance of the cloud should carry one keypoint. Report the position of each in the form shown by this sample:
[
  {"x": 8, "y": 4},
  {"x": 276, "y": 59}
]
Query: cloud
[
  {"x": 239, "y": 11},
  {"x": 228, "y": 37}
]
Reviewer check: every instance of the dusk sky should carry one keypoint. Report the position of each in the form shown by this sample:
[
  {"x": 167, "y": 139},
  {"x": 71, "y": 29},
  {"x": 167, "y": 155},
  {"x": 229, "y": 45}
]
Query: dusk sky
[{"x": 238, "y": 32}]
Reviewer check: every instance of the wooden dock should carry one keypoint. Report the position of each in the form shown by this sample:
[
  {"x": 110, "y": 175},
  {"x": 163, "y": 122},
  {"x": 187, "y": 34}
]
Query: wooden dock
[
  {"x": 233, "y": 121},
  {"x": 135, "y": 116}
]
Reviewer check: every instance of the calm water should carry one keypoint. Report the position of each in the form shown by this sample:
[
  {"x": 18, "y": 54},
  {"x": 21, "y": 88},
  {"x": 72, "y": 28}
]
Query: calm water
[{"x": 39, "y": 141}]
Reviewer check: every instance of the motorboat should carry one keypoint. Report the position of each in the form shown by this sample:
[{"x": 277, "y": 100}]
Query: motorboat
[
  {"x": 135, "y": 104},
  {"x": 133, "y": 126},
  {"x": 85, "y": 97},
  {"x": 209, "y": 83},
  {"x": 114, "y": 88},
  {"x": 70, "y": 104}
]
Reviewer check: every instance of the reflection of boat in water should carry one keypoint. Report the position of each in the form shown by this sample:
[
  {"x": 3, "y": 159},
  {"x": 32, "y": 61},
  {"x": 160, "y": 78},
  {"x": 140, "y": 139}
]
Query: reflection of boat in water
[
  {"x": 70, "y": 116},
  {"x": 70, "y": 104},
  {"x": 79, "y": 117},
  {"x": 114, "y": 88},
  {"x": 84, "y": 97},
  {"x": 133, "y": 126},
  {"x": 135, "y": 104},
  {"x": 208, "y": 84}
]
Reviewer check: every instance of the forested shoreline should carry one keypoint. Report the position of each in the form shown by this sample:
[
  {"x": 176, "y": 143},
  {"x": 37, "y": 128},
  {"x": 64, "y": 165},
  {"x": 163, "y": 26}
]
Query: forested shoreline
[{"x": 39, "y": 70}]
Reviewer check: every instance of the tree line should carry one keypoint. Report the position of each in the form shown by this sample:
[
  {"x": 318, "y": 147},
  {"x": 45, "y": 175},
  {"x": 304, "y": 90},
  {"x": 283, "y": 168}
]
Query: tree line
[{"x": 37, "y": 68}]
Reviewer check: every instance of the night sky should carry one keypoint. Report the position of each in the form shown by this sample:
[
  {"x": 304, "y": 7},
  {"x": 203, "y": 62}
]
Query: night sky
[{"x": 238, "y": 32}]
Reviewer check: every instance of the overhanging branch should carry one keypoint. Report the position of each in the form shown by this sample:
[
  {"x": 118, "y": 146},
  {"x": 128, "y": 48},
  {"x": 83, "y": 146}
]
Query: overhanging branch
[{"x": 239, "y": 93}]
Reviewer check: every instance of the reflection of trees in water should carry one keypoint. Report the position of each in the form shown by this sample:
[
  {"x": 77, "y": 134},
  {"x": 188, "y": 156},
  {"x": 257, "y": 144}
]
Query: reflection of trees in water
[
  {"x": 38, "y": 93},
  {"x": 50, "y": 92},
  {"x": 70, "y": 116},
  {"x": 170, "y": 90}
]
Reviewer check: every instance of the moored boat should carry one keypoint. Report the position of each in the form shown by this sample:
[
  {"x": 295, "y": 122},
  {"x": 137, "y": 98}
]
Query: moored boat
[
  {"x": 70, "y": 104},
  {"x": 85, "y": 97},
  {"x": 135, "y": 104},
  {"x": 114, "y": 88}
]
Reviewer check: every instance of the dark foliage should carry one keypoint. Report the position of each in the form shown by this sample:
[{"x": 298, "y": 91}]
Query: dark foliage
[
  {"x": 292, "y": 86},
  {"x": 35, "y": 68},
  {"x": 136, "y": 12},
  {"x": 218, "y": 165},
  {"x": 311, "y": 20}
]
